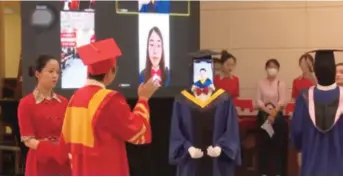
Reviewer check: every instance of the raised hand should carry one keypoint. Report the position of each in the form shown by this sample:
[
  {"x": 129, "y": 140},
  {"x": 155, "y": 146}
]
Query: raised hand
[{"x": 147, "y": 89}]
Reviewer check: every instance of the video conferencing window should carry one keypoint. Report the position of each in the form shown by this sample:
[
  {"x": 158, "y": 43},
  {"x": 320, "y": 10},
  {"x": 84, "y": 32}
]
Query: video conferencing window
[
  {"x": 155, "y": 36},
  {"x": 77, "y": 29}
]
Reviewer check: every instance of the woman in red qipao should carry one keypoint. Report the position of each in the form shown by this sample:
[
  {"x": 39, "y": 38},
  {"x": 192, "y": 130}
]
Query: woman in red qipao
[
  {"x": 40, "y": 117},
  {"x": 307, "y": 79},
  {"x": 226, "y": 80}
]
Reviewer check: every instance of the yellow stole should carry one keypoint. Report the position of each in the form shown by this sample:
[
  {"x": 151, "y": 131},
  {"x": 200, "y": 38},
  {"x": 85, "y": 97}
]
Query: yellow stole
[{"x": 78, "y": 123}]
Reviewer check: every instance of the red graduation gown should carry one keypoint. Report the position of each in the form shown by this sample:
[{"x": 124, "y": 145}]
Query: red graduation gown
[
  {"x": 97, "y": 124},
  {"x": 42, "y": 119}
]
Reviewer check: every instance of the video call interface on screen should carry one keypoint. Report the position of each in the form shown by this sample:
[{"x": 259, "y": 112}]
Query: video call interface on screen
[
  {"x": 202, "y": 73},
  {"x": 152, "y": 46}
]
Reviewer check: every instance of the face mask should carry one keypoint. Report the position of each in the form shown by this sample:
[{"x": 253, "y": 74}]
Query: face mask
[{"x": 272, "y": 71}]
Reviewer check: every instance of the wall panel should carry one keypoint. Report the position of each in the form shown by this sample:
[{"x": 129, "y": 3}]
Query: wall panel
[{"x": 257, "y": 31}]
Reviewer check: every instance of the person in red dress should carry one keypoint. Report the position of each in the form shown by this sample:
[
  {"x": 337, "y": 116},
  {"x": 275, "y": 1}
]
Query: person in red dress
[
  {"x": 40, "y": 117},
  {"x": 98, "y": 121},
  {"x": 307, "y": 79},
  {"x": 339, "y": 74},
  {"x": 226, "y": 80}
]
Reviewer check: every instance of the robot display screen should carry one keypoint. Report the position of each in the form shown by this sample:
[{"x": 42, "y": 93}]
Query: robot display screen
[{"x": 202, "y": 73}]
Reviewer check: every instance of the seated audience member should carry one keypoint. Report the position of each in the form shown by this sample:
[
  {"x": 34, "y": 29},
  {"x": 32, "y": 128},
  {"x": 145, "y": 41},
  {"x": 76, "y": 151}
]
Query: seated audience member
[{"x": 271, "y": 100}]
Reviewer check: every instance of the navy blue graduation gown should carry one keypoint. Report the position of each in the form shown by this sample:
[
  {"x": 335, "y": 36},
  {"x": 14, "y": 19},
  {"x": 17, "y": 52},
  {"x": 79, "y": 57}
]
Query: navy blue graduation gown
[
  {"x": 204, "y": 84},
  {"x": 202, "y": 124},
  {"x": 317, "y": 131}
]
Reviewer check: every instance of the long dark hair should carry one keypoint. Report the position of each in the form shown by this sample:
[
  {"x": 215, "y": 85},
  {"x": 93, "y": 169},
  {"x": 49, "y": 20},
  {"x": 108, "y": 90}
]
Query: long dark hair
[
  {"x": 307, "y": 57},
  {"x": 148, "y": 65}
]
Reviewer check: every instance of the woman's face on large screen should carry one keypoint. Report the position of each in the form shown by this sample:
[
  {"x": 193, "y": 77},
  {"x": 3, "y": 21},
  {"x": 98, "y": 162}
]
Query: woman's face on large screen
[{"x": 155, "y": 48}]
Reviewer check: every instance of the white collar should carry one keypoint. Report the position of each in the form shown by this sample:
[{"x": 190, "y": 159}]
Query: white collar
[
  {"x": 95, "y": 82},
  {"x": 326, "y": 88}
]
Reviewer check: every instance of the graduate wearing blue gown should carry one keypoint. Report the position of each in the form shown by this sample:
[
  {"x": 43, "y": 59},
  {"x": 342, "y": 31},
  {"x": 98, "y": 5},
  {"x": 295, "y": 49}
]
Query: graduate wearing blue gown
[
  {"x": 317, "y": 123},
  {"x": 204, "y": 138}
]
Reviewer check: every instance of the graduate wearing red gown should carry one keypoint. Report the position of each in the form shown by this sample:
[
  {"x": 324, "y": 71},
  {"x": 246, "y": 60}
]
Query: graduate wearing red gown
[
  {"x": 40, "y": 120},
  {"x": 307, "y": 79},
  {"x": 226, "y": 80},
  {"x": 98, "y": 121}
]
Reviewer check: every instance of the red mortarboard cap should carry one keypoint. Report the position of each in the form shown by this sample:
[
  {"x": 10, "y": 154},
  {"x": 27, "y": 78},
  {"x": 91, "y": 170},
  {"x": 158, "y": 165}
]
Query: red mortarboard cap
[{"x": 100, "y": 56}]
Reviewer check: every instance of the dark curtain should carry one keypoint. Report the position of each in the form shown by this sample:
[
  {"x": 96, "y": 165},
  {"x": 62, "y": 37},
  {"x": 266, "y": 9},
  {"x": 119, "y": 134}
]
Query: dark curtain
[{"x": 152, "y": 160}]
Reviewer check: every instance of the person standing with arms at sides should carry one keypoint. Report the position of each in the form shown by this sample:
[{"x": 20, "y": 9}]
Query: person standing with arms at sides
[
  {"x": 40, "y": 117},
  {"x": 226, "y": 80},
  {"x": 307, "y": 79},
  {"x": 271, "y": 100},
  {"x": 98, "y": 121},
  {"x": 317, "y": 123},
  {"x": 339, "y": 74}
]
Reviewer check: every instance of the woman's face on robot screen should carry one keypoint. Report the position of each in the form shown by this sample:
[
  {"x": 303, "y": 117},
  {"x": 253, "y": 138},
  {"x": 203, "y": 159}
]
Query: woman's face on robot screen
[{"x": 155, "y": 48}]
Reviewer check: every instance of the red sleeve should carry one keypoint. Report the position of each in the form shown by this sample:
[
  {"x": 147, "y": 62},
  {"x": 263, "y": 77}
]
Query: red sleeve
[
  {"x": 24, "y": 119},
  {"x": 238, "y": 88},
  {"x": 134, "y": 127},
  {"x": 294, "y": 90}
]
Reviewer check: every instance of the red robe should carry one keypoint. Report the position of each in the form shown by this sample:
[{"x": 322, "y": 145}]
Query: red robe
[
  {"x": 42, "y": 119},
  {"x": 97, "y": 124}
]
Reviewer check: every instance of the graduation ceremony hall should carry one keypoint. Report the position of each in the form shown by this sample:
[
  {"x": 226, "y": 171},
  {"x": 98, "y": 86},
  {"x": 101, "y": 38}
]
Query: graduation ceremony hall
[{"x": 171, "y": 88}]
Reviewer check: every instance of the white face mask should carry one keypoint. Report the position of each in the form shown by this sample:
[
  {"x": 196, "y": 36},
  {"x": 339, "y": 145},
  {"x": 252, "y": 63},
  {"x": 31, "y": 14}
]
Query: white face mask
[{"x": 272, "y": 71}]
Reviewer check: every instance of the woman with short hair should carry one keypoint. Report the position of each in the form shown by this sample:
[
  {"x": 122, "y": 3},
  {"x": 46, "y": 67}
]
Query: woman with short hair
[{"x": 271, "y": 100}]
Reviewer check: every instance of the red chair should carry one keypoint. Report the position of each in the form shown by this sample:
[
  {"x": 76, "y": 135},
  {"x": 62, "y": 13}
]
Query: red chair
[{"x": 244, "y": 104}]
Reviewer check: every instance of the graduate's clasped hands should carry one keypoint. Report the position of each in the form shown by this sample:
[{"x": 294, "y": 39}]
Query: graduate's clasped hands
[
  {"x": 147, "y": 89},
  {"x": 197, "y": 153}
]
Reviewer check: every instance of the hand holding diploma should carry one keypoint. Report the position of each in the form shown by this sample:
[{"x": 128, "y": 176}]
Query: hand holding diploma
[{"x": 267, "y": 126}]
